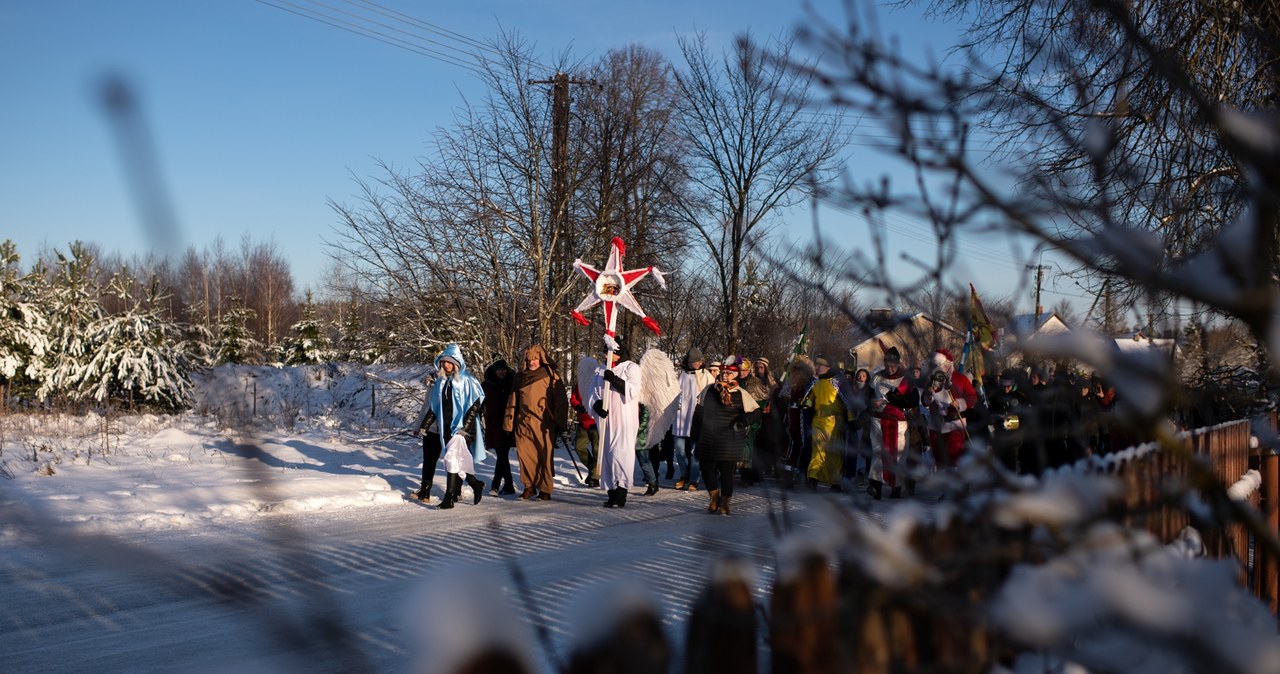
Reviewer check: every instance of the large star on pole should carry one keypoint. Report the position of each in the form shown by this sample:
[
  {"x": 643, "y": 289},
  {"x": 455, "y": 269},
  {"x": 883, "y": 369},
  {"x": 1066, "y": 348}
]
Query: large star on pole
[{"x": 612, "y": 286}]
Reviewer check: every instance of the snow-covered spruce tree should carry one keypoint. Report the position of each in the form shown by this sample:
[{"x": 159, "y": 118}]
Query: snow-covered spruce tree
[
  {"x": 352, "y": 341},
  {"x": 133, "y": 356},
  {"x": 308, "y": 344},
  {"x": 197, "y": 339},
  {"x": 24, "y": 329},
  {"x": 71, "y": 306},
  {"x": 236, "y": 345}
]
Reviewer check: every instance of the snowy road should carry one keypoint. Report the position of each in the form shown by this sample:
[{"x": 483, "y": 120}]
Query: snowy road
[{"x": 231, "y": 601}]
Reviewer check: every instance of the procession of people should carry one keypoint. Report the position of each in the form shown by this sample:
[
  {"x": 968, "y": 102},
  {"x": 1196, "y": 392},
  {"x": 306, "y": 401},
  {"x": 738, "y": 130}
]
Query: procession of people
[{"x": 731, "y": 422}]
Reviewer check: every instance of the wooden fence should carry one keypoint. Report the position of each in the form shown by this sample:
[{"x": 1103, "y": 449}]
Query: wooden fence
[{"x": 1156, "y": 484}]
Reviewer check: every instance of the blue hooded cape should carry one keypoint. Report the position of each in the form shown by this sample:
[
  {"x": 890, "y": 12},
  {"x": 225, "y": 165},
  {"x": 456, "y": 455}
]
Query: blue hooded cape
[{"x": 466, "y": 393}]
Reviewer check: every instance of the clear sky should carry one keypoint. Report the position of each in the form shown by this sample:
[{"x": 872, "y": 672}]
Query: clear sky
[{"x": 258, "y": 115}]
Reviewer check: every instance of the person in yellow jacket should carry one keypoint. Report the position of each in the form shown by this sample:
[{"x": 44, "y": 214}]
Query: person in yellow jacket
[{"x": 834, "y": 408}]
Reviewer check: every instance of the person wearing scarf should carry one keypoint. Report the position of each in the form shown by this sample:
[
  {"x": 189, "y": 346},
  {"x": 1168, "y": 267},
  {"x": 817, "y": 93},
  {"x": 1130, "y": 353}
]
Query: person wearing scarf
[
  {"x": 537, "y": 412},
  {"x": 720, "y": 423}
]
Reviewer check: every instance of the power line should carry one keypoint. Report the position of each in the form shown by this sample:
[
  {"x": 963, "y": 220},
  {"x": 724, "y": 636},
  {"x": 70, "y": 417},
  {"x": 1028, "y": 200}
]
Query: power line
[
  {"x": 372, "y": 34},
  {"x": 438, "y": 30}
]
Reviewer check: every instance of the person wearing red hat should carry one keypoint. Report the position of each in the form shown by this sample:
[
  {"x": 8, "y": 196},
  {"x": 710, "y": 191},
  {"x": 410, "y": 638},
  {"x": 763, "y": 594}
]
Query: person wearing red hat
[
  {"x": 720, "y": 422},
  {"x": 949, "y": 397}
]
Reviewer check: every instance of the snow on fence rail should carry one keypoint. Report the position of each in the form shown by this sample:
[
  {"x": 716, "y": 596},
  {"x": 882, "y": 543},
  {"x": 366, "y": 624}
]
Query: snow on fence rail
[{"x": 1152, "y": 477}]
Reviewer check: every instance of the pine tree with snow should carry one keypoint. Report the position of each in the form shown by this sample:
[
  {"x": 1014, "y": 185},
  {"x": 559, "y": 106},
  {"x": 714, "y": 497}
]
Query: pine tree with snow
[
  {"x": 352, "y": 339},
  {"x": 308, "y": 344},
  {"x": 24, "y": 328},
  {"x": 134, "y": 356},
  {"x": 235, "y": 344},
  {"x": 72, "y": 305}
]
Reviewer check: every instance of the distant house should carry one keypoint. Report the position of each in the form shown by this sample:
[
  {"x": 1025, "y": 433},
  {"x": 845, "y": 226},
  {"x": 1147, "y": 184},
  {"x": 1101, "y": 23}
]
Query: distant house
[
  {"x": 1024, "y": 327},
  {"x": 916, "y": 335},
  {"x": 1137, "y": 342},
  {"x": 1023, "y": 330}
]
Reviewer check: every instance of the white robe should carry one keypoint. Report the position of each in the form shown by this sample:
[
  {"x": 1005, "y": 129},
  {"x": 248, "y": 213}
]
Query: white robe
[
  {"x": 692, "y": 384},
  {"x": 619, "y": 429}
]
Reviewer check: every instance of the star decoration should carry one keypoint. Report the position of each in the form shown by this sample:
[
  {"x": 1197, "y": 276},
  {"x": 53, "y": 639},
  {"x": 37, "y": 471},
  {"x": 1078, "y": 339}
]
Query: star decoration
[{"x": 611, "y": 286}]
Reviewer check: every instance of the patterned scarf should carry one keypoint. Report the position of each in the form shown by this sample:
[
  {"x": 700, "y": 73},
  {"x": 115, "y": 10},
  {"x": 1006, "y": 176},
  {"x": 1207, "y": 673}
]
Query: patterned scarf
[{"x": 726, "y": 392}]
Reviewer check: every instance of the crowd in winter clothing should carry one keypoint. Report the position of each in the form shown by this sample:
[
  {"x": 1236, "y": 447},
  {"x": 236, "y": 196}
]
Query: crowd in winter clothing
[{"x": 736, "y": 422}]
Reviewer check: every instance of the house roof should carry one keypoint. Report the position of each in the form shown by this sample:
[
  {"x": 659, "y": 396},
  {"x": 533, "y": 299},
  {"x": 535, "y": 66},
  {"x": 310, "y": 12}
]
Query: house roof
[
  {"x": 886, "y": 323},
  {"x": 1026, "y": 325}
]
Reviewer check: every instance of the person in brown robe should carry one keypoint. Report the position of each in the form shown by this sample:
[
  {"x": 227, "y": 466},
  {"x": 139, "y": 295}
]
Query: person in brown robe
[{"x": 537, "y": 413}]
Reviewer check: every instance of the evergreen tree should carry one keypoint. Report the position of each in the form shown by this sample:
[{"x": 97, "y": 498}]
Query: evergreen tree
[
  {"x": 24, "y": 329},
  {"x": 134, "y": 356},
  {"x": 351, "y": 336},
  {"x": 236, "y": 344},
  {"x": 72, "y": 305},
  {"x": 308, "y": 344}
]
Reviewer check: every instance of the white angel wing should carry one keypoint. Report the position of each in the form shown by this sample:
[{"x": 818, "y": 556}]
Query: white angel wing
[{"x": 658, "y": 393}]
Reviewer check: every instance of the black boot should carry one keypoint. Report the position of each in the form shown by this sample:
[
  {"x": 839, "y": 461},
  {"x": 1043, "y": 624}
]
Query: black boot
[
  {"x": 874, "y": 489},
  {"x": 613, "y": 498},
  {"x": 653, "y": 489},
  {"x": 477, "y": 489},
  {"x": 453, "y": 485},
  {"x": 622, "y": 497}
]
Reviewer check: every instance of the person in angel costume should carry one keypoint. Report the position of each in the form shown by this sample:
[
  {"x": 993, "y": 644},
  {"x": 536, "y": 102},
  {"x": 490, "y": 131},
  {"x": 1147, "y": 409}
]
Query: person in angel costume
[{"x": 450, "y": 417}]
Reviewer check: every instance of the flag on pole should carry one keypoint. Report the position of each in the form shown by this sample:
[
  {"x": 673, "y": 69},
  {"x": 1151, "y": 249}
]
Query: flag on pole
[
  {"x": 982, "y": 335},
  {"x": 802, "y": 342}
]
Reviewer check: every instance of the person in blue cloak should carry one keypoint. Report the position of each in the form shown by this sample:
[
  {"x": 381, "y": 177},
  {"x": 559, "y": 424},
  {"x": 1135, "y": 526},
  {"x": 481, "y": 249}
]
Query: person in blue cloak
[{"x": 450, "y": 417}]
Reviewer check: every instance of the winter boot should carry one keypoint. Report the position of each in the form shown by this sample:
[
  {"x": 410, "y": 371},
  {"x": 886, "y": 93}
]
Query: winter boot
[
  {"x": 874, "y": 489},
  {"x": 622, "y": 497},
  {"x": 715, "y": 501},
  {"x": 452, "y": 485},
  {"x": 896, "y": 492},
  {"x": 653, "y": 489},
  {"x": 724, "y": 505},
  {"x": 477, "y": 489},
  {"x": 507, "y": 490},
  {"x": 613, "y": 498},
  {"x": 692, "y": 486},
  {"x": 681, "y": 483},
  {"x": 527, "y": 494},
  {"x": 423, "y": 494}
]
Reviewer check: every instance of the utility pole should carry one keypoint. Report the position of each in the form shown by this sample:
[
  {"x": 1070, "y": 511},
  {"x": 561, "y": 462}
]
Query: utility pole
[
  {"x": 1039, "y": 284},
  {"x": 1107, "y": 323},
  {"x": 562, "y": 239}
]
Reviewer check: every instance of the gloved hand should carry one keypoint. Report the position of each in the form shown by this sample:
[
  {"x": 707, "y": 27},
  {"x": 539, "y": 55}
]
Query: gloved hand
[
  {"x": 598, "y": 407},
  {"x": 614, "y": 379}
]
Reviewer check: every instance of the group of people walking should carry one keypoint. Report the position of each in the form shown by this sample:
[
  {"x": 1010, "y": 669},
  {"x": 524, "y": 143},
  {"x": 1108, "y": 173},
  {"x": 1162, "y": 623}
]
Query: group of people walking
[{"x": 817, "y": 426}]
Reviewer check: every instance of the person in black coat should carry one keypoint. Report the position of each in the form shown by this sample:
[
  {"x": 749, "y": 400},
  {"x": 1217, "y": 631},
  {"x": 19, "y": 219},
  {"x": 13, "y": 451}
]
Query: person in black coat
[
  {"x": 497, "y": 389},
  {"x": 720, "y": 423}
]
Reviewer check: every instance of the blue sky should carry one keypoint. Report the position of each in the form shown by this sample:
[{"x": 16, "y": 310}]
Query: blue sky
[{"x": 258, "y": 116}]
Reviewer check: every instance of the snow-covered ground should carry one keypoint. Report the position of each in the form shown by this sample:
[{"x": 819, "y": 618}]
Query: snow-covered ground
[
  {"x": 269, "y": 530},
  {"x": 238, "y": 538}
]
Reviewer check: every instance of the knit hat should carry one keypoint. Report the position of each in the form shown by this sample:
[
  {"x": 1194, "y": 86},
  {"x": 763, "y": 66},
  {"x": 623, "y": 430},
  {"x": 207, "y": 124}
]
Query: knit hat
[
  {"x": 694, "y": 355},
  {"x": 764, "y": 361},
  {"x": 821, "y": 359},
  {"x": 891, "y": 355}
]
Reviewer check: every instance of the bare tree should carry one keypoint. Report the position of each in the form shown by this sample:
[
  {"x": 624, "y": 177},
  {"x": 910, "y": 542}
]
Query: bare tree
[
  {"x": 1114, "y": 106},
  {"x": 753, "y": 149}
]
